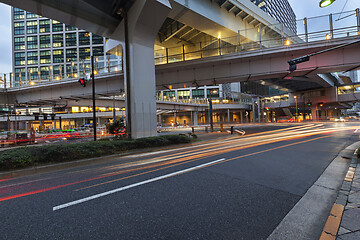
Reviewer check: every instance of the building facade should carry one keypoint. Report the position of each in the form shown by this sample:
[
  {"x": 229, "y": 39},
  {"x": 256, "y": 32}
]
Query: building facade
[
  {"x": 280, "y": 10},
  {"x": 46, "y": 50}
]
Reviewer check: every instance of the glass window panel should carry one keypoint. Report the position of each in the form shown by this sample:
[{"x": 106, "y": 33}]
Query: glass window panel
[
  {"x": 69, "y": 28},
  {"x": 98, "y": 51},
  {"x": 45, "y": 41},
  {"x": 57, "y": 26},
  {"x": 84, "y": 53},
  {"x": 30, "y": 15},
  {"x": 58, "y": 56},
  {"x": 32, "y": 42},
  {"x": 70, "y": 39},
  {"x": 18, "y": 13},
  {"x": 57, "y": 40},
  {"x": 19, "y": 28},
  {"x": 45, "y": 57},
  {"x": 71, "y": 55},
  {"x": 96, "y": 39},
  {"x": 44, "y": 26},
  {"x": 19, "y": 43},
  {"x": 31, "y": 27},
  {"x": 19, "y": 58},
  {"x": 84, "y": 38}
]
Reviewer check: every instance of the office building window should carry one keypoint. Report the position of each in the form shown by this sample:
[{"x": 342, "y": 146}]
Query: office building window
[
  {"x": 84, "y": 54},
  {"x": 69, "y": 28},
  {"x": 45, "y": 57},
  {"x": 44, "y": 72},
  {"x": 84, "y": 38},
  {"x": 198, "y": 93},
  {"x": 18, "y": 13},
  {"x": 33, "y": 73},
  {"x": 30, "y": 15},
  {"x": 58, "y": 56},
  {"x": 96, "y": 39},
  {"x": 183, "y": 94},
  {"x": 57, "y": 40},
  {"x": 32, "y": 58},
  {"x": 19, "y": 59},
  {"x": 19, "y": 28},
  {"x": 58, "y": 72},
  {"x": 70, "y": 39},
  {"x": 32, "y": 42},
  {"x": 19, "y": 43},
  {"x": 98, "y": 51},
  {"x": 57, "y": 26},
  {"x": 44, "y": 26},
  {"x": 45, "y": 41},
  {"x": 31, "y": 27},
  {"x": 19, "y": 74},
  {"x": 169, "y": 94},
  {"x": 214, "y": 93},
  {"x": 71, "y": 55}
]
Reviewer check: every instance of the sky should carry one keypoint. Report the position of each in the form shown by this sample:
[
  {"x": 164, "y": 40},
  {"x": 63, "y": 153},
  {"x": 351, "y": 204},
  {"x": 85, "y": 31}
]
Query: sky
[{"x": 302, "y": 8}]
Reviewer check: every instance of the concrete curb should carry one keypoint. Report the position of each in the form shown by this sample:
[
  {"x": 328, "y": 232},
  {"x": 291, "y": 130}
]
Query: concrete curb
[{"x": 307, "y": 218}]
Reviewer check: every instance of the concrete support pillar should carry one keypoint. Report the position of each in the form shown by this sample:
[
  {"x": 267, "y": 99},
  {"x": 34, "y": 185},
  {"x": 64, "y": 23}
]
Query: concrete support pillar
[
  {"x": 314, "y": 114},
  {"x": 191, "y": 118},
  {"x": 228, "y": 115},
  {"x": 69, "y": 123},
  {"x": 254, "y": 110},
  {"x": 175, "y": 119},
  {"x": 259, "y": 109},
  {"x": 195, "y": 115},
  {"x": 142, "y": 28},
  {"x": 160, "y": 120},
  {"x": 241, "y": 117}
]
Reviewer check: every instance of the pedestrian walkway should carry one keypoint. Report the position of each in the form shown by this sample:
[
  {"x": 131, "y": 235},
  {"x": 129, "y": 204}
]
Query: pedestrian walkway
[{"x": 343, "y": 222}]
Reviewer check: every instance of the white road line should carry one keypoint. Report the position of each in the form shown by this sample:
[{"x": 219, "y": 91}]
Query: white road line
[
  {"x": 134, "y": 185},
  {"x": 356, "y": 130}
]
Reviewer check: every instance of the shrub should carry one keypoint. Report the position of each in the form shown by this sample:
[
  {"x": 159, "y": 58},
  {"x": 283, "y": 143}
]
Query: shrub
[{"x": 36, "y": 155}]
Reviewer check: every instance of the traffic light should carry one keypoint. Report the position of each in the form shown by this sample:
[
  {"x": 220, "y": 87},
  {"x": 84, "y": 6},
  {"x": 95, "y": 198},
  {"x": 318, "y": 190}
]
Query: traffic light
[
  {"x": 293, "y": 62},
  {"x": 309, "y": 103},
  {"x": 82, "y": 82}
]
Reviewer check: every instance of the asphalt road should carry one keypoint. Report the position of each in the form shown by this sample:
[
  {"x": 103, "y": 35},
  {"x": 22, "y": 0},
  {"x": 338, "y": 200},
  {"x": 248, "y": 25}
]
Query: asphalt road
[{"x": 237, "y": 188}]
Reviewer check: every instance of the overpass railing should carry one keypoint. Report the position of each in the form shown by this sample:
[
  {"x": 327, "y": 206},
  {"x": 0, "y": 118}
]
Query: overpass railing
[{"x": 321, "y": 28}]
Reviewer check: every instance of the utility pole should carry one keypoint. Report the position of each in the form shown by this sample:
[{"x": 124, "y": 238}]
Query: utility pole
[{"x": 93, "y": 95}]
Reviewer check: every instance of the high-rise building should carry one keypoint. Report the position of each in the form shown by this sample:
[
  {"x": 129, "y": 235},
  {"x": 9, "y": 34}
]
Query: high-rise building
[
  {"x": 46, "y": 50},
  {"x": 280, "y": 10}
]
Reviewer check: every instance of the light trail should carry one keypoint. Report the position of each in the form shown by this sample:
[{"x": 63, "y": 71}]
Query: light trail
[{"x": 191, "y": 154}]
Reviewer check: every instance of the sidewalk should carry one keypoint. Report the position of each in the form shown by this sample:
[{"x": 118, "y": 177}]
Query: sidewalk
[{"x": 343, "y": 222}]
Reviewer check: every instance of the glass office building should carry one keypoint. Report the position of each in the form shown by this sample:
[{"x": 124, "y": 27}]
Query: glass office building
[
  {"x": 46, "y": 50},
  {"x": 280, "y": 10}
]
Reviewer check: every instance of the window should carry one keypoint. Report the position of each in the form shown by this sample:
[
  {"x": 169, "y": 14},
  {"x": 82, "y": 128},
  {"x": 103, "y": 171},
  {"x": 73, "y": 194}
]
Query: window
[
  {"x": 19, "y": 59},
  {"x": 71, "y": 55},
  {"x": 57, "y": 40},
  {"x": 69, "y": 28},
  {"x": 96, "y": 39},
  {"x": 19, "y": 43},
  {"x": 98, "y": 51},
  {"x": 19, "y": 75},
  {"x": 31, "y": 27},
  {"x": 32, "y": 42},
  {"x": 57, "y": 26},
  {"x": 33, "y": 73},
  {"x": 169, "y": 94},
  {"x": 44, "y": 72},
  {"x": 18, "y": 13},
  {"x": 84, "y": 38},
  {"x": 84, "y": 54},
  {"x": 44, "y": 26},
  {"x": 45, "y": 41},
  {"x": 183, "y": 94},
  {"x": 214, "y": 93},
  {"x": 30, "y": 15},
  {"x": 19, "y": 28},
  {"x": 198, "y": 93},
  {"x": 58, "y": 56},
  {"x": 58, "y": 72},
  {"x": 32, "y": 58},
  {"x": 45, "y": 57},
  {"x": 70, "y": 39}
]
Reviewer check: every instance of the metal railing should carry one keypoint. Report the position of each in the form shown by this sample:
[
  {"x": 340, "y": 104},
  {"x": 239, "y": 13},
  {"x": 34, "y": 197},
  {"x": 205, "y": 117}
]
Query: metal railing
[{"x": 321, "y": 28}]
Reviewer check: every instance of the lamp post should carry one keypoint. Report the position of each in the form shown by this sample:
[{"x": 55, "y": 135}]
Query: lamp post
[
  {"x": 296, "y": 109},
  {"x": 210, "y": 109}
]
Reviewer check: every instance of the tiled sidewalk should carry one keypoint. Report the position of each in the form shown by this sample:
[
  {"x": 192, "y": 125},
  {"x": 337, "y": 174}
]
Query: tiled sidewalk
[{"x": 350, "y": 223}]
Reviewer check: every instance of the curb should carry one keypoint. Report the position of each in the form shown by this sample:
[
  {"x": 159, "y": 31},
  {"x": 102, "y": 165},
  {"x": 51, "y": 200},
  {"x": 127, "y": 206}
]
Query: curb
[{"x": 332, "y": 225}]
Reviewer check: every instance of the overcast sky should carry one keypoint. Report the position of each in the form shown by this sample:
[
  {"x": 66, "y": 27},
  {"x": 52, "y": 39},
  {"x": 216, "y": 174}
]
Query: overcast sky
[{"x": 302, "y": 8}]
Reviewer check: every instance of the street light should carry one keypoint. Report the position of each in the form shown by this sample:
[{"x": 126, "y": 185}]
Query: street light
[
  {"x": 210, "y": 109},
  {"x": 325, "y": 3},
  {"x": 296, "y": 108}
]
